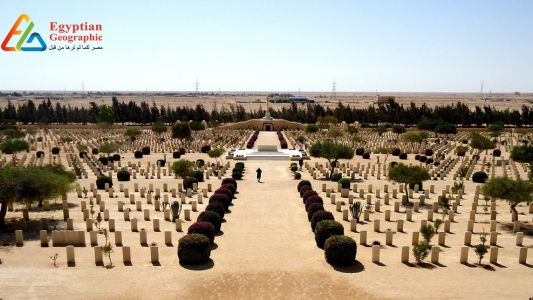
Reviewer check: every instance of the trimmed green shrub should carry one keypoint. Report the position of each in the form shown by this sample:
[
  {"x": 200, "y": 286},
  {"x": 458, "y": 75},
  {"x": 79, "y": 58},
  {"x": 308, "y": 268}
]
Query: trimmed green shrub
[
  {"x": 312, "y": 209},
  {"x": 204, "y": 228},
  {"x": 146, "y": 150},
  {"x": 303, "y": 183},
  {"x": 336, "y": 177},
  {"x": 226, "y": 192},
  {"x": 176, "y": 154},
  {"x": 480, "y": 177},
  {"x": 236, "y": 174},
  {"x": 294, "y": 168},
  {"x": 319, "y": 216},
  {"x": 359, "y": 151},
  {"x": 366, "y": 156},
  {"x": 216, "y": 207},
  {"x": 297, "y": 176},
  {"x": 306, "y": 193},
  {"x": 138, "y": 154},
  {"x": 326, "y": 228},
  {"x": 340, "y": 250},
  {"x": 211, "y": 217},
  {"x": 116, "y": 157},
  {"x": 402, "y": 156},
  {"x": 230, "y": 181},
  {"x": 239, "y": 165},
  {"x": 102, "y": 180},
  {"x": 345, "y": 183},
  {"x": 220, "y": 198},
  {"x": 104, "y": 160},
  {"x": 199, "y": 175},
  {"x": 188, "y": 182},
  {"x": 230, "y": 187},
  {"x": 194, "y": 249},
  {"x": 123, "y": 175},
  {"x": 311, "y": 200}
]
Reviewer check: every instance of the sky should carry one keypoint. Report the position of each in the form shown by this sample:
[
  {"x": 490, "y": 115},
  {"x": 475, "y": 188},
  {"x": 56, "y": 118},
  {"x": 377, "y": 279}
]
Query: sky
[{"x": 389, "y": 46}]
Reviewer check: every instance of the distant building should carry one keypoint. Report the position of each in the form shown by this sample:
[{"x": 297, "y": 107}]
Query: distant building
[
  {"x": 385, "y": 100},
  {"x": 292, "y": 100}
]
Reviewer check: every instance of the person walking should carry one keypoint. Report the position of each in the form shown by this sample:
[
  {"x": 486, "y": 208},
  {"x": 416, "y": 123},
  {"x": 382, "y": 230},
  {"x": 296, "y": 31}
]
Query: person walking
[
  {"x": 259, "y": 171},
  {"x": 301, "y": 163}
]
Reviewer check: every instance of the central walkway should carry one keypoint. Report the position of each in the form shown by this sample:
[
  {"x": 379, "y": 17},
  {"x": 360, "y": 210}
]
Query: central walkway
[{"x": 267, "y": 138}]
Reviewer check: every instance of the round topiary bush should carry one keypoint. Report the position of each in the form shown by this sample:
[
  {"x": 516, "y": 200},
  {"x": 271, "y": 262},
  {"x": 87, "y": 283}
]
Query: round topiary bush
[
  {"x": 227, "y": 192},
  {"x": 239, "y": 165},
  {"x": 188, "y": 182},
  {"x": 205, "y": 148},
  {"x": 116, "y": 157},
  {"x": 312, "y": 209},
  {"x": 402, "y": 156},
  {"x": 229, "y": 187},
  {"x": 103, "y": 160},
  {"x": 182, "y": 151},
  {"x": 200, "y": 162},
  {"x": 110, "y": 159},
  {"x": 211, "y": 217},
  {"x": 336, "y": 177},
  {"x": 359, "y": 151},
  {"x": 102, "y": 180},
  {"x": 326, "y": 228},
  {"x": 216, "y": 207},
  {"x": 304, "y": 190},
  {"x": 40, "y": 154},
  {"x": 123, "y": 175},
  {"x": 95, "y": 151},
  {"x": 311, "y": 200},
  {"x": 303, "y": 183},
  {"x": 236, "y": 174},
  {"x": 176, "y": 154},
  {"x": 204, "y": 228},
  {"x": 396, "y": 152},
  {"x": 345, "y": 183},
  {"x": 297, "y": 176},
  {"x": 366, "y": 156},
  {"x": 294, "y": 168},
  {"x": 340, "y": 250},
  {"x": 428, "y": 152},
  {"x": 138, "y": 154},
  {"x": 480, "y": 177},
  {"x": 417, "y": 157},
  {"x": 429, "y": 161},
  {"x": 194, "y": 249},
  {"x": 306, "y": 193},
  {"x": 146, "y": 150},
  {"x": 437, "y": 163},
  {"x": 230, "y": 181},
  {"x": 220, "y": 198},
  {"x": 319, "y": 216},
  {"x": 497, "y": 152},
  {"x": 423, "y": 158},
  {"x": 55, "y": 150},
  {"x": 199, "y": 175}
]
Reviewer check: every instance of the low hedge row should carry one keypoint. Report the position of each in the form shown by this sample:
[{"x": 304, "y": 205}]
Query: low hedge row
[
  {"x": 195, "y": 247},
  {"x": 282, "y": 140},
  {"x": 253, "y": 138},
  {"x": 339, "y": 250}
]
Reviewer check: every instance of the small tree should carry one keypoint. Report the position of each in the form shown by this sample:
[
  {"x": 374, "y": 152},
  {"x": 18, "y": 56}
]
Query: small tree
[
  {"x": 13, "y": 147},
  {"x": 481, "y": 143},
  {"x": 415, "y": 137},
  {"x": 108, "y": 147},
  {"x": 381, "y": 129},
  {"x": 107, "y": 248},
  {"x": 12, "y": 133},
  {"x": 181, "y": 131},
  {"x": 132, "y": 133},
  {"x": 216, "y": 153},
  {"x": 496, "y": 129},
  {"x": 427, "y": 232},
  {"x": 421, "y": 251},
  {"x": 311, "y": 128},
  {"x": 524, "y": 154},
  {"x": 408, "y": 175},
  {"x": 331, "y": 151},
  {"x": 183, "y": 167},
  {"x": 445, "y": 128},
  {"x": 398, "y": 129},
  {"x": 159, "y": 127},
  {"x": 512, "y": 191}
]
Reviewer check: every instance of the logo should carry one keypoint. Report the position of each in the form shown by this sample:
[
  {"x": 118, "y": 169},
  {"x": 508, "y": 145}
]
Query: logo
[{"x": 27, "y": 36}]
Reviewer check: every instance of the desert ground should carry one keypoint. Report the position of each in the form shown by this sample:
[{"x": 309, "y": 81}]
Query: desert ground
[{"x": 267, "y": 249}]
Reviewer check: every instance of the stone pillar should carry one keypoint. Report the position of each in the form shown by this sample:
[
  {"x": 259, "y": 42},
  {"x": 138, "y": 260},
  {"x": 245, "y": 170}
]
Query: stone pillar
[
  {"x": 118, "y": 238},
  {"x": 435, "y": 254},
  {"x": 187, "y": 214},
  {"x": 396, "y": 206},
  {"x": 168, "y": 237},
  {"x": 71, "y": 260},
  {"x": 376, "y": 225},
  {"x": 493, "y": 255},
  {"x": 409, "y": 215},
  {"x": 98, "y": 256},
  {"x": 138, "y": 205},
  {"x": 19, "y": 238},
  {"x": 362, "y": 237},
  {"x": 126, "y": 255},
  {"x": 493, "y": 238},
  {"x": 387, "y": 215},
  {"x": 493, "y": 225},
  {"x": 464, "y": 255},
  {"x": 388, "y": 237},
  {"x": 522, "y": 256},
  {"x": 89, "y": 224},
  {"x": 178, "y": 225},
  {"x": 399, "y": 225},
  {"x": 415, "y": 238},
  {"x": 468, "y": 238},
  {"x": 442, "y": 238},
  {"x": 146, "y": 214},
  {"x": 353, "y": 225},
  {"x": 43, "y": 236},
  {"x": 143, "y": 236},
  {"x": 519, "y": 238},
  {"x": 405, "y": 254},
  {"x": 134, "y": 225},
  {"x": 93, "y": 235},
  {"x": 120, "y": 206},
  {"x": 345, "y": 215},
  {"x": 70, "y": 224},
  {"x": 156, "y": 225},
  {"x": 154, "y": 254},
  {"x": 430, "y": 215},
  {"x": 375, "y": 254},
  {"x": 516, "y": 226},
  {"x": 127, "y": 214},
  {"x": 111, "y": 225},
  {"x": 470, "y": 226}
]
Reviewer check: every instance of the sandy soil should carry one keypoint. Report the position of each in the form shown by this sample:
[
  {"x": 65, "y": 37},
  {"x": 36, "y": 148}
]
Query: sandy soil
[{"x": 267, "y": 251}]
